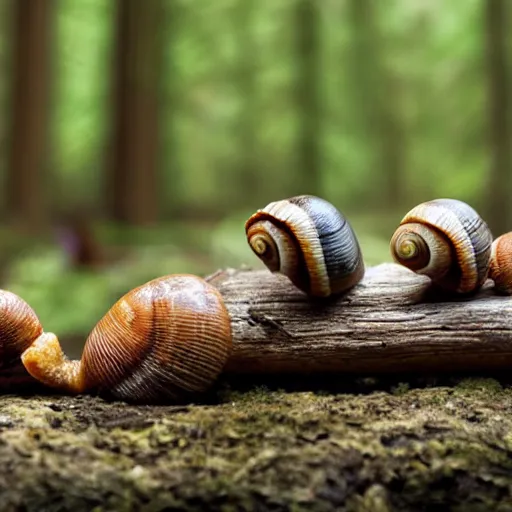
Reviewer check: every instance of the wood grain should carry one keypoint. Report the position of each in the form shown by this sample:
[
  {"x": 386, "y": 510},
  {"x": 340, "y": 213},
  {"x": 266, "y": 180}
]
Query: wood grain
[{"x": 392, "y": 321}]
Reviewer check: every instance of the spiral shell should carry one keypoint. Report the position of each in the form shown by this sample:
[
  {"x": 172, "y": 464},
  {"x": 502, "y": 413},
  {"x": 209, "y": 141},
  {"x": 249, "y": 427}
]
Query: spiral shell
[
  {"x": 165, "y": 339},
  {"x": 500, "y": 270},
  {"x": 307, "y": 239},
  {"x": 19, "y": 328},
  {"x": 446, "y": 240}
]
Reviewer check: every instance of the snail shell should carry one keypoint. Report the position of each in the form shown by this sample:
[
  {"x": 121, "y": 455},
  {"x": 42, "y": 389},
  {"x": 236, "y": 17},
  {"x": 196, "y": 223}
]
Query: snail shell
[
  {"x": 19, "y": 329},
  {"x": 500, "y": 270},
  {"x": 165, "y": 340},
  {"x": 446, "y": 240},
  {"x": 308, "y": 240}
]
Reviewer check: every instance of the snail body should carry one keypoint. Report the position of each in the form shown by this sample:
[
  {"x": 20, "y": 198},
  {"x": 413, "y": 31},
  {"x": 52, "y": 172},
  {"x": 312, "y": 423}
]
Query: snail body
[
  {"x": 308, "y": 240},
  {"x": 500, "y": 270},
  {"x": 446, "y": 240},
  {"x": 165, "y": 340}
]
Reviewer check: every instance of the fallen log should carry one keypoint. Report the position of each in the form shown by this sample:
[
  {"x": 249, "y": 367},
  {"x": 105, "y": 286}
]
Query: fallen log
[{"x": 392, "y": 321}]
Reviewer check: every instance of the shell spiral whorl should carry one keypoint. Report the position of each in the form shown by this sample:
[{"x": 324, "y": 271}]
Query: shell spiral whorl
[
  {"x": 446, "y": 240},
  {"x": 410, "y": 247},
  {"x": 307, "y": 239}
]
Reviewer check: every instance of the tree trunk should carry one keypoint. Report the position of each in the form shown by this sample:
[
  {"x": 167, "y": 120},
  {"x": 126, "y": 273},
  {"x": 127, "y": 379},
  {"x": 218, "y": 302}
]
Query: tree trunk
[
  {"x": 308, "y": 178},
  {"x": 499, "y": 211},
  {"x": 391, "y": 322},
  {"x": 28, "y": 162},
  {"x": 133, "y": 184}
]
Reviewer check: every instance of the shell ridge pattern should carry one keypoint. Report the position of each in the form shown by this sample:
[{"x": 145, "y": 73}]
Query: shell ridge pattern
[
  {"x": 181, "y": 373},
  {"x": 147, "y": 376},
  {"x": 306, "y": 234},
  {"x": 113, "y": 336}
]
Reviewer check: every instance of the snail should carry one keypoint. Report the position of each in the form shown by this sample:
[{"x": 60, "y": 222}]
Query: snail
[
  {"x": 308, "y": 240},
  {"x": 446, "y": 240},
  {"x": 165, "y": 340},
  {"x": 500, "y": 270}
]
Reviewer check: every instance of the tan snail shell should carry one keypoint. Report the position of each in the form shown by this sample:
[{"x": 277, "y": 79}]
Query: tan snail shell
[
  {"x": 165, "y": 340},
  {"x": 308, "y": 240},
  {"x": 446, "y": 240},
  {"x": 19, "y": 329},
  {"x": 500, "y": 270}
]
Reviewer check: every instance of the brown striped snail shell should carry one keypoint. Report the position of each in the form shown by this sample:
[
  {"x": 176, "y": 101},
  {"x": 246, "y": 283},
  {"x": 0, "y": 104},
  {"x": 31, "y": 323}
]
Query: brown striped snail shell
[
  {"x": 500, "y": 270},
  {"x": 19, "y": 329},
  {"x": 163, "y": 341},
  {"x": 446, "y": 240},
  {"x": 308, "y": 240}
]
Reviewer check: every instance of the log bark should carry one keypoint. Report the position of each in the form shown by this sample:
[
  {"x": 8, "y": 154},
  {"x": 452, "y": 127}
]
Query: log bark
[
  {"x": 31, "y": 92},
  {"x": 393, "y": 321}
]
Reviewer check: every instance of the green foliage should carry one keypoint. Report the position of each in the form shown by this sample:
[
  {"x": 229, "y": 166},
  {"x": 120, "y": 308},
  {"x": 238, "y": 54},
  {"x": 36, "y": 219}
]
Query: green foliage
[
  {"x": 420, "y": 65},
  {"x": 84, "y": 37},
  {"x": 66, "y": 302},
  {"x": 431, "y": 52}
]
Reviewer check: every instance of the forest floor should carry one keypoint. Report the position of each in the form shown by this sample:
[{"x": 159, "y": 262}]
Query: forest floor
[{"x": 429, "y": 444}]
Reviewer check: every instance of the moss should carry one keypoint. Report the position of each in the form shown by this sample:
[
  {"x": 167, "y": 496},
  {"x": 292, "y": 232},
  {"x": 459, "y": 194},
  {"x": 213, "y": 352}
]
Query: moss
[
  {"x": 480, "y": 384},
  {"x": 400, "y": 388},
  {"x": 414, "y": 448}
]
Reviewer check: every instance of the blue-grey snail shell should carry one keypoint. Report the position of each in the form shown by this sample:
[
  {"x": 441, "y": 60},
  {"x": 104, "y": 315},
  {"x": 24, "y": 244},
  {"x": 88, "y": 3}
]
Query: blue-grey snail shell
[{"x": 308, "y": 240}]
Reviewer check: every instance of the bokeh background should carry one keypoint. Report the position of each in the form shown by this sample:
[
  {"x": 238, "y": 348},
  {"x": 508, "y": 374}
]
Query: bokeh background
[{"x": 136, "y": 136}]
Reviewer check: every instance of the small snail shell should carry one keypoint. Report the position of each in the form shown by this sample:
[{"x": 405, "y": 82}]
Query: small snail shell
[
  {"x": 500, "y": 270},
  {"x": 165, "y": 340},
  {"x": 446, "y": 240},
  {"x": 19, "y": 328},
  {"x": 308, "y": 240}
]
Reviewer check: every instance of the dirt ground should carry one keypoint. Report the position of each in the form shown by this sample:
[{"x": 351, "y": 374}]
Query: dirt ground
[{"x": 377, "y": 447}]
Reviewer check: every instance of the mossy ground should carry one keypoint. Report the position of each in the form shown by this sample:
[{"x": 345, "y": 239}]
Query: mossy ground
[{"x": 429, "y": 445}]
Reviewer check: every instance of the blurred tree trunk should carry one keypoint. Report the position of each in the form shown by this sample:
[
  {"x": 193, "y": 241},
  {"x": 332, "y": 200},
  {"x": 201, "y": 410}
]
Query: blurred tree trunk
[
  {"x": 499, "y": 206},
  {"x": 362, "y": 63},
  {"x": 308, "y": 177},
  {"x": 377, "y": 93},
  {"x": 133, "y": 181},
  {"x": 246, "y": 132},
  {"x": 170, "y": 183},
  {"x": 30, "y": 107}
]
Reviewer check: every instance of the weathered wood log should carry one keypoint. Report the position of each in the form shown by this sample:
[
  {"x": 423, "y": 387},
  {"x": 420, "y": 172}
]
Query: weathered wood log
[{"x": 392, "y": 321}]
